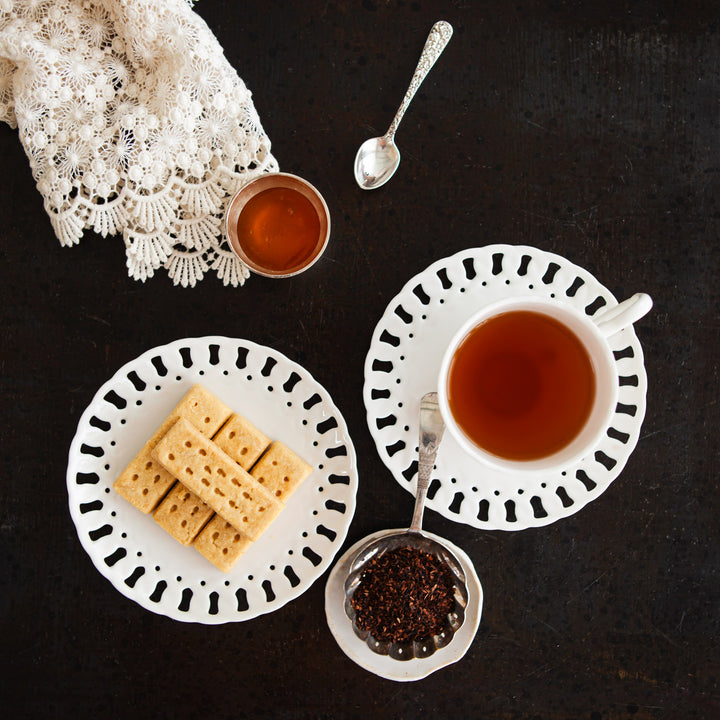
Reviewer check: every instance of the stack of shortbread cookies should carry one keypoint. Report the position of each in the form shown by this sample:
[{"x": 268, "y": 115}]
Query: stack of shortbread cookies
[{"x": 211, "y": 478}]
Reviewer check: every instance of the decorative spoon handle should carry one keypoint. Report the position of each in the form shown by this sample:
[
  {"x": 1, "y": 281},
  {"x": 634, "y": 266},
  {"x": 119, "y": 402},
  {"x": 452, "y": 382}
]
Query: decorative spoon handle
[
  {"x": 432, "y": 428},
  {"x": 438, "y": 38}
]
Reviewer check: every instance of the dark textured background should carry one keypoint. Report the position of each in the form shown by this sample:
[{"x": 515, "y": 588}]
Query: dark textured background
[{"x": 589, "y": 130}]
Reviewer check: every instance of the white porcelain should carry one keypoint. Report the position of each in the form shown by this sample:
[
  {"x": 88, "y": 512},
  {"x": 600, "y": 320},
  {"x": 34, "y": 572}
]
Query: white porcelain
[
  {"x": 383, "y": 665},
  {"x": 592, "y": 333},
  {"x": 403, "y": 363},
  {"x": 145, "y": 563}
]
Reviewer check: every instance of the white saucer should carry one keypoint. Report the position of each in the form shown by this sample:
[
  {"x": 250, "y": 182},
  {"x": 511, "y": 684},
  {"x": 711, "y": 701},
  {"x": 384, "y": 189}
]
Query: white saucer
[
  {"x": 382, "y": 665},
  {"x": 137, "y": 556},
  {"x": 403, "y": 363}
]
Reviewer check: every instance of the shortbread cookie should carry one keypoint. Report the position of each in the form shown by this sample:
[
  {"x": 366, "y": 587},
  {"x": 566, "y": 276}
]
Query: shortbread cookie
[
  {"x": 182, "y": 513},
  {"x": 242, "y": 441},
  {"x": 216, "y": 478},
  {"x": 280, "y": 471},
  {"x": 221, "y": 543},
  {"x": 144, "y": 483}
]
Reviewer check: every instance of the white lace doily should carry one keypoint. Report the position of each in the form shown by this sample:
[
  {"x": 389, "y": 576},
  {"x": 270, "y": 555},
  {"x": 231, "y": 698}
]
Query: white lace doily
[
  {"x": 404, "y": 361},
  {"x": 134, "y": 123}
]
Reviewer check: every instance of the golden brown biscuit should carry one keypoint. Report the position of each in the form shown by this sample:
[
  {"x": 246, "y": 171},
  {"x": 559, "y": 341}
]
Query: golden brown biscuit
[
  {"x": 221, "y": 543},
  {"x": 182, "y": 513},
  {"x": 280, "y": 471},
  {"x": 143, "y": 482},
  {"x": 216, "y": 478},
  {"x": 242, "y": 441}
]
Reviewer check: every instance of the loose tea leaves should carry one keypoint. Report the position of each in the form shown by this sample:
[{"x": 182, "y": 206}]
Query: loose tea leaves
[{"x": 404, "y": 595}]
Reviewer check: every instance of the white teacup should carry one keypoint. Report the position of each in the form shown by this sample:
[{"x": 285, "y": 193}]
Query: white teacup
[{"x": 592, "y": 333}]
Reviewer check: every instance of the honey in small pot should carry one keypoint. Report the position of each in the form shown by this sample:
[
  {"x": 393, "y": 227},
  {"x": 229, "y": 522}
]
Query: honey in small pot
[{"x": 278, "y": 225}]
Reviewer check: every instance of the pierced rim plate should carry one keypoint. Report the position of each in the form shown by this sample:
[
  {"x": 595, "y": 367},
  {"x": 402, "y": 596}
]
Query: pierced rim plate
[
  {"x": 382, "y": 665},
  {"x": 145, "y": 563},
  {"x": 403, "y": 364}
]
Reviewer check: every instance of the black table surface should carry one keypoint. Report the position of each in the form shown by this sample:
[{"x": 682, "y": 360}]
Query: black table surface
[{"x": 587, "y": 130}]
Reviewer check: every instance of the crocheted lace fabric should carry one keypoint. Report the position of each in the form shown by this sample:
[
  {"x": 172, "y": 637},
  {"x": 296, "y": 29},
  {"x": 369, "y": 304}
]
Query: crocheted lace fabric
[{"x": 134, "y": 123}]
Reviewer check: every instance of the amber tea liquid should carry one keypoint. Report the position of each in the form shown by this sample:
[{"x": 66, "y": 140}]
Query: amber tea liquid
[
  {"x": 278, "y": 229},
  {"x": 521, "y": 385}
]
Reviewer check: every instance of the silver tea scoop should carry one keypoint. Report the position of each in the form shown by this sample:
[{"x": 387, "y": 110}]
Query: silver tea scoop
[
  {"x": 378, "y": 158},
  {"x": 431, "y": 432}
]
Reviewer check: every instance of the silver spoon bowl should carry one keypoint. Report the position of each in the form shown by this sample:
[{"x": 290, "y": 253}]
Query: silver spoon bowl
[
  {"x": 376, "y": 162},
  {"x": 431, "y": 431},
  {"x": 378, "y": 158}
]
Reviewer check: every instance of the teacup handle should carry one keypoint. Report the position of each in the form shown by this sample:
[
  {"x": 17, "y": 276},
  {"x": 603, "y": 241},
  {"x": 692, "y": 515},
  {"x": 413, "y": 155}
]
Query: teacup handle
[{"x": 626, "y": 313}]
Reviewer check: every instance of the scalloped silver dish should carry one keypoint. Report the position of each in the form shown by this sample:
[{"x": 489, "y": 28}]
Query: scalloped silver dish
[
  {"x": 383, "y": 665},
  {"x": 146, "y": 564},
  {"x": 403, "y": 363},
  {"x": 424, "y": 647}
]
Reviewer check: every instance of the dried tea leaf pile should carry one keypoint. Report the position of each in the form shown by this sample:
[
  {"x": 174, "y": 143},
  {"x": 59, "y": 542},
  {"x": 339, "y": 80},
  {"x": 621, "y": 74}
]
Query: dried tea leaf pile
[{"x": 403, "y": 595}]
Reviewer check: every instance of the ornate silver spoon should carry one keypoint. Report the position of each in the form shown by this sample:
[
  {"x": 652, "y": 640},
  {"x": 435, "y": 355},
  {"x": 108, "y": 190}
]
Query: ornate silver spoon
[
  {"x": 378, "y": 158},
  {"x": 431, "y": 432}
]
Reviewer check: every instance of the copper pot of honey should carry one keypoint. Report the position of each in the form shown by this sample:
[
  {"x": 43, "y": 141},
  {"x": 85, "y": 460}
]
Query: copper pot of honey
[{"x": 278, "y": 225}]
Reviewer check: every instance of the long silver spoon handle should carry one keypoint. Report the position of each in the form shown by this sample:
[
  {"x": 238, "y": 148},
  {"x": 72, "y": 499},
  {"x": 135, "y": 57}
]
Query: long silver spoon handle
[
  {"x": 432, "y": 428},
  {"x": 438, "y": 38}
]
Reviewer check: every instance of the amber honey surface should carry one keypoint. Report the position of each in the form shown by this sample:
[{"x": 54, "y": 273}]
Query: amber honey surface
[
  {"x": 521, "y": 385},
  {"x": 278, "y": 229}
]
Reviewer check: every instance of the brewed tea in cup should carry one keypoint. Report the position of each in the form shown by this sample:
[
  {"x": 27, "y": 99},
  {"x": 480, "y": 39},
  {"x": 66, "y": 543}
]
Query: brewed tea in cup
[{"x": 529, "y": 384}]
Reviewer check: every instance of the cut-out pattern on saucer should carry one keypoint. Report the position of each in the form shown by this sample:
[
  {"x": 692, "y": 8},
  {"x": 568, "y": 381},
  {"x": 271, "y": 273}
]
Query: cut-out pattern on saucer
[
  {"x": 145, "y": 563},
  {"x": 404, "y": 361}
]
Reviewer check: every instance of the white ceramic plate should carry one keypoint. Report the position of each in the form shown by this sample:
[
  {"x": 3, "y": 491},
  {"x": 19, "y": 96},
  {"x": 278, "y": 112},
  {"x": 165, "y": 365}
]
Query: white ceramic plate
[
  {"x": 139, "y": 558},
  {"x": 382, "y": 665},
  {"x": 403, "y": 363}
]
